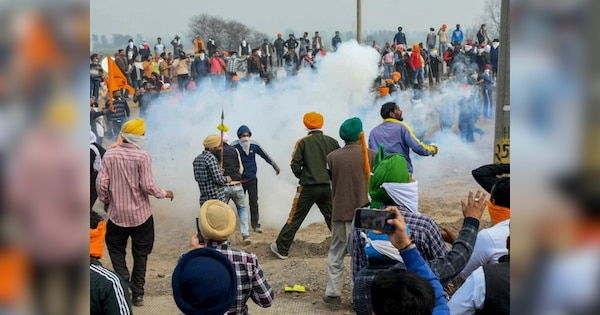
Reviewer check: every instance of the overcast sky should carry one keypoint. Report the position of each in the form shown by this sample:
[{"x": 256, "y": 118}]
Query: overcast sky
[{"x": 153, "y": 18}]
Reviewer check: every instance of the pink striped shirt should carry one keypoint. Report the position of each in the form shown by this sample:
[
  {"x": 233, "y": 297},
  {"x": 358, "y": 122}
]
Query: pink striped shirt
[{"x": 125, "y": 182}]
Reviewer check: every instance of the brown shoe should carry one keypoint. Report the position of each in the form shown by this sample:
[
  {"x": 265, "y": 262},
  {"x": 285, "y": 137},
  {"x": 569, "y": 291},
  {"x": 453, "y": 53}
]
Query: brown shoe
[
  {"x": 334, "y": 300},
  {"x": 246, "y": 240}
]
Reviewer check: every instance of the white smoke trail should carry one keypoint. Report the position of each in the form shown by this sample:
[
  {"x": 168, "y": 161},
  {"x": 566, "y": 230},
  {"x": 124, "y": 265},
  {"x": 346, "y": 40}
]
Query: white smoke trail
[{"x": 339, "y": 90}]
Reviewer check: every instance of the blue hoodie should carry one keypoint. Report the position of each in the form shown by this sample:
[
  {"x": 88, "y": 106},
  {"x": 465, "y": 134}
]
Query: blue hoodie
[{"x": 249, "y": 158}]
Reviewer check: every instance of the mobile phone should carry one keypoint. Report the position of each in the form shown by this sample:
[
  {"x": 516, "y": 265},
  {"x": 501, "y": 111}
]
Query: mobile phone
[
  {"x": 200, "y": 238},
  {"x": 373, "y": 219}
]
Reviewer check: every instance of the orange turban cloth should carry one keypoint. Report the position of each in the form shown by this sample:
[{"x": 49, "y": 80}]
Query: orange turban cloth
[{"x": 313, "y": 120}]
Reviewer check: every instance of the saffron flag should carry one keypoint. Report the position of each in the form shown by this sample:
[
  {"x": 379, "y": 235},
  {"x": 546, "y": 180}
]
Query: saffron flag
[{"x": 116, "y": 80}]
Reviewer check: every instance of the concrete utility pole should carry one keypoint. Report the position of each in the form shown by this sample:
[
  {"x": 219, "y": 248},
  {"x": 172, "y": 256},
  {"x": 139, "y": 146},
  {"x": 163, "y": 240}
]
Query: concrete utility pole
[
  {"x": 359, "y": 21},
  {"x": 502, "y": 101}
]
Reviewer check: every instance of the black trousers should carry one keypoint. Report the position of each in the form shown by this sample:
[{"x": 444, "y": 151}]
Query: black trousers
[
  {"x": 58, "y": 284},
  {"x": 252, "y": 188},
  {"x": 142, "y": 241},
  {"x": 305, "y": 197},
  {"x": 93, "y": 192},
  {"x": 280, "y": 58}
]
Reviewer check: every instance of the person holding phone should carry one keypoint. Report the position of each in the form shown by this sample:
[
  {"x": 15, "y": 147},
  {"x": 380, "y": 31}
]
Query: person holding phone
[
  {"x": 445, "y": 268},
  {"x": 392, "y": 185},
  {"x": 417, "y": 283}
]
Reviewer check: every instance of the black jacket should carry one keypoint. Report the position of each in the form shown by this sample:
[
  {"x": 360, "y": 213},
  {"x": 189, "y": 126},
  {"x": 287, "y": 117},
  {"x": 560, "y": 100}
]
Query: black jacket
[
  {"x": 278, "y": 44},
  {"x": 135, "y": 53},
  {"x": 290, "y": 44},
  {"x": 109, "y": 294},
  {"x": 211, "y": 48},
  {"x": 231, "y": 162},
  {"x": 200, "y": 68},
  {"x": 400, "y": 38}
]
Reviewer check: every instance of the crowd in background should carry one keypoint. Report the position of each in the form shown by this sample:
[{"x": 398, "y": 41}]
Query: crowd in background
[{"x": 413, "y": 260}]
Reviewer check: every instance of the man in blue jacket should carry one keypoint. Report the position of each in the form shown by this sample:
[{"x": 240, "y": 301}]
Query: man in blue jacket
[
  {"x": 457, "y": 35},
  {"x": 248, "y": 150}
]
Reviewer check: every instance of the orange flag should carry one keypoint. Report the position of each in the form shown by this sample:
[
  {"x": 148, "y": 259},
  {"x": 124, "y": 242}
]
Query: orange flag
[{"x": 116, "y": 80}]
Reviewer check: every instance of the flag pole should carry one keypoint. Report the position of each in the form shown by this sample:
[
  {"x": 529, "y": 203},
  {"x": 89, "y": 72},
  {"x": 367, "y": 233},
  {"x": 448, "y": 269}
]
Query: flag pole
[{"x": 222, "y": 118}]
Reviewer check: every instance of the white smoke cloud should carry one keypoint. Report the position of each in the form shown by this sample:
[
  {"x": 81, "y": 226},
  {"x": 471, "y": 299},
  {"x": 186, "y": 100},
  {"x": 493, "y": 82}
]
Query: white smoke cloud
[{"x": 339, "y": 90}]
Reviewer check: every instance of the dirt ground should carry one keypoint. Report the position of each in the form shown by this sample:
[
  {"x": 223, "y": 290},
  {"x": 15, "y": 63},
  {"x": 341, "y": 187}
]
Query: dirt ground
[{"x": 440, "y": 192}]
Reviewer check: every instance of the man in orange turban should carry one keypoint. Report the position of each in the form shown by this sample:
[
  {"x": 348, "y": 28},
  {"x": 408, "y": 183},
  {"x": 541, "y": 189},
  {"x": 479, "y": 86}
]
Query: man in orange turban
[{"x": 309, "y": 165}]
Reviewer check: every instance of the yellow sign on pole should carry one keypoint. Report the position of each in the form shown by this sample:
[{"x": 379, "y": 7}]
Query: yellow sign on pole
[{"x": 502, "y": 151}]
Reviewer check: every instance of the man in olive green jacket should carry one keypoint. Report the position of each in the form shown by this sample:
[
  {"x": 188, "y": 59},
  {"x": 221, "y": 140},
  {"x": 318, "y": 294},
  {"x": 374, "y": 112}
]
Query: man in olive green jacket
[{"x": 309, "y": 165}]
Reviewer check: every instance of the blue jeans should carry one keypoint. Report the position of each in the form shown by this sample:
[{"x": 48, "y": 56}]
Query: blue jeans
[
  {"x": 488, "y": 103},
  {"x": 389, "y": 68},
  {"x": 94, "y": 88},
  {"x": 419, "y": 75},
  {"x": 236, "y": 192}
]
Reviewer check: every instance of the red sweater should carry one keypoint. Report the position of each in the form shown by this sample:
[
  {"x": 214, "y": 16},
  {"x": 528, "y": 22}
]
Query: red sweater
[
  {"x": 216, "y": 65},
  {"x": 415, "y": 60}
]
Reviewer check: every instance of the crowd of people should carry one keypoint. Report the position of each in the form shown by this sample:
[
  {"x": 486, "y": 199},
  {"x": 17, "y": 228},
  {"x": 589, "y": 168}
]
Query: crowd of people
[
  {"x": 404, "y": 270},
  {"x": 442, "y": 62}
]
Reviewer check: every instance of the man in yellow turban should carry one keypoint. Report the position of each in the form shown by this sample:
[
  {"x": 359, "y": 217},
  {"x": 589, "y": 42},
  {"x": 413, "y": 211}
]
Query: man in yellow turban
[
  {"x": 124, "y": 183},
  {"x": 132, "y": 132}
]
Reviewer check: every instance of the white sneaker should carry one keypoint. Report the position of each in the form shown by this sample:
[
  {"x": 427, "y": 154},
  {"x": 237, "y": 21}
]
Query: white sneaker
[{"x": 276, "y": 251}]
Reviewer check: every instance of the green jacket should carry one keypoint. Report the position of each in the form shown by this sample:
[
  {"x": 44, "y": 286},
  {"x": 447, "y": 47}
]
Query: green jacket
[
  {"x": 309, "y": 159},
  {"x": 109, "y": 294}
]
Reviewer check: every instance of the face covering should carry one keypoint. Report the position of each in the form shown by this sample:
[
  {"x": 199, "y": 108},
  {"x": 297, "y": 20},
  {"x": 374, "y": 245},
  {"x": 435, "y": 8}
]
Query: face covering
[
  {"x": 495, "y": 44},
  {"x": 487, "y": 71},
  {"x": 130, "y": 44},
  {"x": 202, "y": 56},
  {"x": 136, "y": 140},
  {"x": 245, "y": 143},
  {"x": 243, "y": 43},
  {"x": 259, "y": 53}
]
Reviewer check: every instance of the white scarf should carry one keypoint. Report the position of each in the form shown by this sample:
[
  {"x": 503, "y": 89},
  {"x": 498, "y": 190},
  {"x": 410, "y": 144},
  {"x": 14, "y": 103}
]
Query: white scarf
[
  {"x": 136, "y": 140},
  {"x": 382, "y": 246},
  {"x": 406, "y": 194},
  {"x": 245, "y": 143},
  {"x": 98, "y": 160},
  {"x": 386, "y": 248}
]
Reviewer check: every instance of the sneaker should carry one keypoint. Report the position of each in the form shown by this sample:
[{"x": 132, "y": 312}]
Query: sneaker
[
  {"x": 246, "y": 240},
  {"x": 335, "y": 300},
  {"x": 138, "y": 300},
  {"x": 258, "y": 230},
  {"x": 276, "y": 251}
]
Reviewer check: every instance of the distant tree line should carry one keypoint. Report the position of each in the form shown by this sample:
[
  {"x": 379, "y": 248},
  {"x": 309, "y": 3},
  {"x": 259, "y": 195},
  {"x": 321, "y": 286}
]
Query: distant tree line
[{"x": 227, "y": 34}]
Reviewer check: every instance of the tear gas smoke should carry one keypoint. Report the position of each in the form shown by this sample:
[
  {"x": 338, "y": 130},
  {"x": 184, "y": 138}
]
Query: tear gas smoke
[{"x": 340, "y": 89}]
